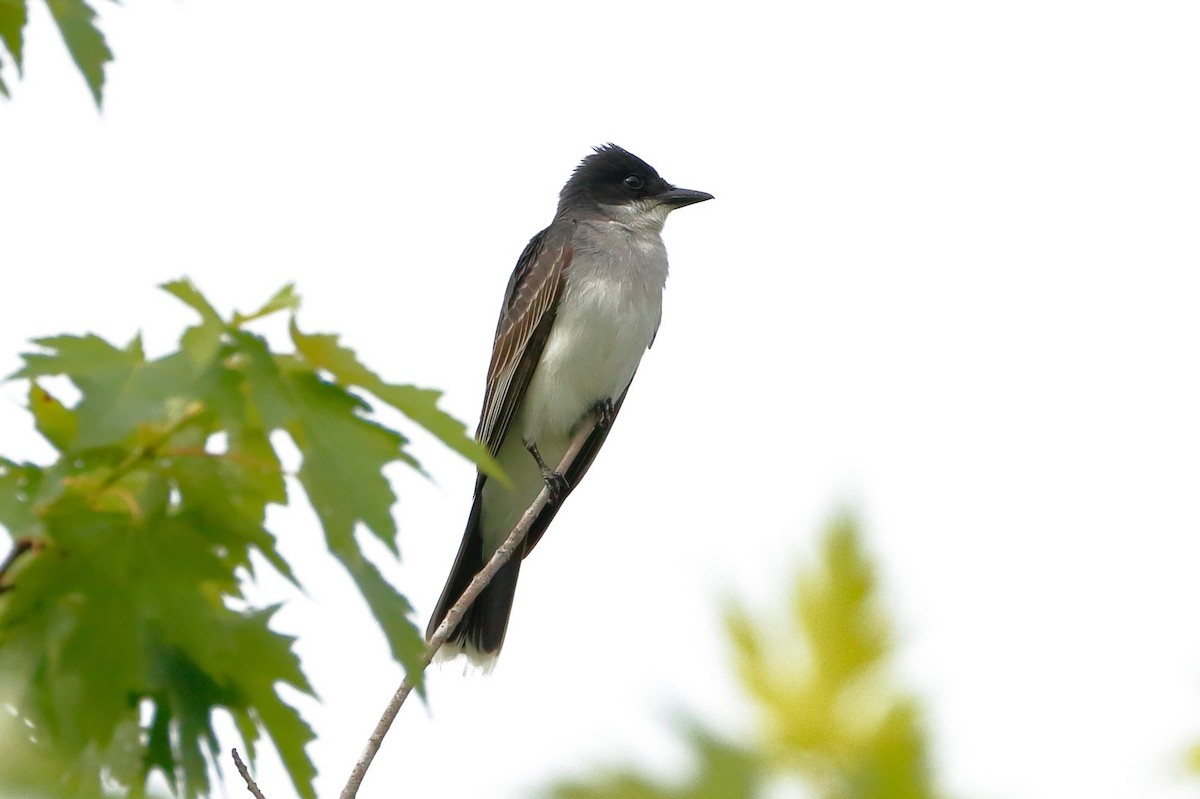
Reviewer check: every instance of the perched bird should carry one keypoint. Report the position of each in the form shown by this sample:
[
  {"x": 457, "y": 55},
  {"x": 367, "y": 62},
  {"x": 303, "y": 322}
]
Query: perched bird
[{"x": 582, "y": 306}]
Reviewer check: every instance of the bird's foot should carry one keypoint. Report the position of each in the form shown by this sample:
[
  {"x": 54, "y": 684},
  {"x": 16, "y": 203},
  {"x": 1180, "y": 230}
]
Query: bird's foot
[
  {"x": 555, "y": 481},
  {"x": 605, "y": 413},
  {"x": 557, "y": 484}
]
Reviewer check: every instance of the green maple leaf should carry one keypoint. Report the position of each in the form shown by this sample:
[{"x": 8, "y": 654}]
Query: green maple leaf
[
  {"x": 286, "y": 299},
  {"x": 118, "y": 624},
  {"x": 78, "y": 355},
  {"x": 324, "y": 352},
  {"x": 830, "y": 658},
  {"x": 20, "y": 484},
  {"x": 122, "y": 391},
  {"x": 343, "y": 456},
  {"x": 723, "y": 771},
  {"x": 829, "y": 718},
  {"x": 77, "y": 23},
  {"x": 203, "y": 342},
  {"x": 13, "y": 16},
  {"x": 54, "y": 420}
]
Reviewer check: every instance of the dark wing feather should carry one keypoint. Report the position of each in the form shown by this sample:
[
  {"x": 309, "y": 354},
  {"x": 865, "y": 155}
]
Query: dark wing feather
[
  {"x": 529, "y": 307},
  {"x": 521, "y": 335}
]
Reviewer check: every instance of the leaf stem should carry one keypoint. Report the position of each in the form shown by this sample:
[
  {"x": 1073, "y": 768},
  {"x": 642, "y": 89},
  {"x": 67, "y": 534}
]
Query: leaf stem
[{"x": 140, "y": 453}]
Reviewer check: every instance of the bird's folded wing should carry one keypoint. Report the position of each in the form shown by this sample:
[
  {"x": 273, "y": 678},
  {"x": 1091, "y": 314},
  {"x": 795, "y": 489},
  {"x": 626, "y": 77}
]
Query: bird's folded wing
[{"x": 528, "y": 313}]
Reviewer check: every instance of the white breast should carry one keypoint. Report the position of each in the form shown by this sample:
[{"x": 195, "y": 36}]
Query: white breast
[{"x": 607, "y": 317}]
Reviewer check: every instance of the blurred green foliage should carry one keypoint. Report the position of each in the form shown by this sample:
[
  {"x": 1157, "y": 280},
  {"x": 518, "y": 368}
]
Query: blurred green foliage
[
  {"x": 122, "y": 624},
  {"x": 76, "y": 21},
  {"x": 829, "y": 714}
]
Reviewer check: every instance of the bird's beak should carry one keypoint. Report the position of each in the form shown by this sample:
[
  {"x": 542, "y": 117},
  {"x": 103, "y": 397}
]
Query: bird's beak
[{"x": 677, "y": 198}]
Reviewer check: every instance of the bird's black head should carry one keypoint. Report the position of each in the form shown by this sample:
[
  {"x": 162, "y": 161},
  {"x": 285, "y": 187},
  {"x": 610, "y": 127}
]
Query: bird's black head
[{"x": 612, "y": 176}]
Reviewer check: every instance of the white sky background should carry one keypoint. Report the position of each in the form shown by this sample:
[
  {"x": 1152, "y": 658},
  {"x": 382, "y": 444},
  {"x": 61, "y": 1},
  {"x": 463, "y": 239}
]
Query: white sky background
[{"x": 949, "y": 280}]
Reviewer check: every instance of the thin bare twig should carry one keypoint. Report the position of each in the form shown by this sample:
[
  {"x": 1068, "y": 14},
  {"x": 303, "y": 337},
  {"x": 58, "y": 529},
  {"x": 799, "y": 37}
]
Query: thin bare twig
[
  {"x": 481, "y": 580},
  {"x": 245, "y": 772}
]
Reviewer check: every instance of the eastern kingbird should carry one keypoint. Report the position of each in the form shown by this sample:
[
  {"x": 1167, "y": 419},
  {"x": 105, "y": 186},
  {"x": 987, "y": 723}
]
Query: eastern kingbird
[{"x": 582, "y": 306}]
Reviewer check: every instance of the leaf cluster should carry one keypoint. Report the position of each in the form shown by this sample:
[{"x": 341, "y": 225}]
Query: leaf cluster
[
  {"x": 828, "y": 706},
  {"x": 122, "y": 623},
  {"x": 76, "y": 21},
  {"x": 829, "y": 716}
]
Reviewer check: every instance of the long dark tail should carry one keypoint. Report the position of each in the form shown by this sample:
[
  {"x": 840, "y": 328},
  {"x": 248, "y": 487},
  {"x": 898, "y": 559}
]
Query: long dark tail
[{"x": 480, "y": 632}]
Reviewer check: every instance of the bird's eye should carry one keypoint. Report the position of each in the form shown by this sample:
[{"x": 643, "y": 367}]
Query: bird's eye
[{"x": 634, "y": 182}]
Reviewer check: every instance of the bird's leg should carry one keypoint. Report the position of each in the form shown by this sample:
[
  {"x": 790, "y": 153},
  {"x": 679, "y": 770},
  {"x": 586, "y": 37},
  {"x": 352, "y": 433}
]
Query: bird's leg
[
  {"x": 605, "y": 412},
  {"x": 554, "y": 480}
]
